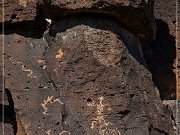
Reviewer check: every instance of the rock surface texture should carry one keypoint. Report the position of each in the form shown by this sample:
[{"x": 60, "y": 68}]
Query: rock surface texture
[
  {"x": 129, "y": 13},
  {"x": 85, "y": 74},
  {"x": 162, "y": 63}
]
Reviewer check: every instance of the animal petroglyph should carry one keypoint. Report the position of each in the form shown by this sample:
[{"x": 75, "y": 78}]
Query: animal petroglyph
[
  {"x": 30, "y": 74},
  {"x": 23, "y": 67},
  {"x": 49, "y": 100}
]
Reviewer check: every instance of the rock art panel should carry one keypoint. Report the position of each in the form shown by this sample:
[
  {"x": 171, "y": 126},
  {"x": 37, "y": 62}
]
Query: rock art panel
[
  {"x": 87, "y": 74},
  {"x": 91, "y": 65}
]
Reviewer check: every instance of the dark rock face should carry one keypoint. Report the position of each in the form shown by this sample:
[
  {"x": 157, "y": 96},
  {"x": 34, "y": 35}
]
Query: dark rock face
[
  {"x": 86, "y": 75},
  {"x": 162, "y": 63},
  {"x": 91, "y": 66},
  {"x": 10, "y": 123},
  {"x": 130, "y": 14},
  {"x": 18, "y": 10},
  {"x": 29, "y": 83},
  {"x": 166, "y": 10}
]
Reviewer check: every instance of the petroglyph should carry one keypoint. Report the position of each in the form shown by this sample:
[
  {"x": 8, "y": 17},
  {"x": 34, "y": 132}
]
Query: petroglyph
[
  {"x": 30, "y": 74},
  {"x": 48, "y": 132},
  {"x": 49, "y": 100},
  {"x": 64, "y": 37},
  {"x": 59, "y": 54},
  {"x": 62, "y": 133},
  {"x": 41, "y": 61},
  {"x": 23, "y": 67},
  {"x": 105, "y": 127},
  {"x": 91, "y": 104},
  {"x": 24, "y": 2}
]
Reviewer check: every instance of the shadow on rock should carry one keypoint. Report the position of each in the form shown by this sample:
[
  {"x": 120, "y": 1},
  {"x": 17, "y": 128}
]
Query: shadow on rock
[
  {"x": 161, "y": 63},
  {"x": 9, "y": 112},
  {"x": 102, "y": 23},
  {"x": 25, "y": 28}
]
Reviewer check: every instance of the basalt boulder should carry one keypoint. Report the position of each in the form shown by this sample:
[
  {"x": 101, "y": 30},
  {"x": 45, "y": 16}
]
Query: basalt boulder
[
  {"x": 137, "y": 16},
  {"x": 86, "y": 75},
  {"x": 100, "y": 74}
]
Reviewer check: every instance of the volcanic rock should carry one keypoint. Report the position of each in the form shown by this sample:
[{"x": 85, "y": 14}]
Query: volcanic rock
[
  {"x": 86, "y": 75},
  {"x": 130, "y": 14},
  {"x": 162, "y": 63},
  {"x": 105, "y": 88}
]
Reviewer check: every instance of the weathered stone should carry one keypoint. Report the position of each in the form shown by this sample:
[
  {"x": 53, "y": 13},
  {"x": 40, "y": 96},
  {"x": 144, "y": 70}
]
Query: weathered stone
[
  {"x": 132, "y": 15},
  {"x": 136, "y": 16},
  {"x": 32, "y": 91},
  {"x": 174, "y": 106},
  {"x": 87, "y": 75},
  {"x": 166, "y": 10},
  {"x": 7, "y": 129},
  {"x": 18, "y": 10},
  {"x": 90, "y": 64}
]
